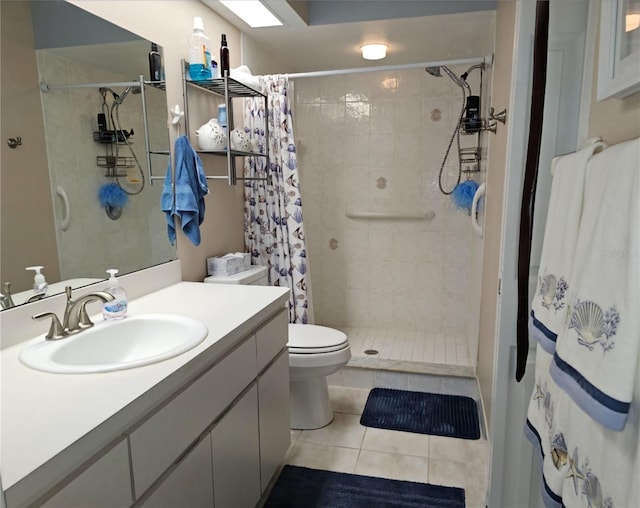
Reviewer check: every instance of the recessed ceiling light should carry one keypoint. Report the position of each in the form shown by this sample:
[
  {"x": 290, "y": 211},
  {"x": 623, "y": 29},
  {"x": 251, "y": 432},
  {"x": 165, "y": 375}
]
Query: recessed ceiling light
[
  {"x": 252, "y": 12},
  {"x": 374, "y": 51},
  {"x": 632, "y": 21}
]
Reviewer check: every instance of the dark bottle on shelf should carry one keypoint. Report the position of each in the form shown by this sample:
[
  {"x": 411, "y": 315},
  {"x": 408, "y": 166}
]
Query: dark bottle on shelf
[
  {"x": 155, "y": 63},
  {"x": 224, "y": 57}
]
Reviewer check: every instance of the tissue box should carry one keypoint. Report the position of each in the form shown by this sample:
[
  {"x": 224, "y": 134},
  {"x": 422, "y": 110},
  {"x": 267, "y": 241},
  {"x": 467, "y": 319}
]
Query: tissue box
[
  {"x": 228, "y": 264},
  {"x": 246, "y": 259}
]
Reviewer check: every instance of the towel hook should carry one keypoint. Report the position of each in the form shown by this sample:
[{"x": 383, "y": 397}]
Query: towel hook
[
  {"x": 176, "y": 117},
  {"x": 14, "y": 142}
]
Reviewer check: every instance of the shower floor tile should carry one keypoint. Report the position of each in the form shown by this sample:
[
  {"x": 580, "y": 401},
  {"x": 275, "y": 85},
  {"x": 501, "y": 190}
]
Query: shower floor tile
[{"x": 410, "y": 350}]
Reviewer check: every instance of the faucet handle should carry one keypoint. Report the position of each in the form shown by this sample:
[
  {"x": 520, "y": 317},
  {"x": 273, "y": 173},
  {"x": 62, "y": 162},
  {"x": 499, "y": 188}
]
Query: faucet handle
[{"x": 56, "y": 331}]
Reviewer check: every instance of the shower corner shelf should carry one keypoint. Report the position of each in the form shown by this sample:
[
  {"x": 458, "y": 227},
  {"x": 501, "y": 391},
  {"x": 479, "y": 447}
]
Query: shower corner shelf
[{"x": 229, "y": 89}]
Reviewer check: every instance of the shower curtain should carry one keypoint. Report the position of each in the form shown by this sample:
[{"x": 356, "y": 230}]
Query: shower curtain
[{"x": 273, "y": 227}]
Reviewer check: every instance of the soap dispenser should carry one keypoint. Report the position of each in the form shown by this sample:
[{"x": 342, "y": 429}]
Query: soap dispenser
[
  {"x": 40, "y": 285},
  {"x": 116, "y": 308}
]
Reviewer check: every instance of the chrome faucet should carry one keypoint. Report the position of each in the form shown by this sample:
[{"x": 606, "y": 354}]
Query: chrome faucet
[
  {"x": 75, "y": 317},
  {"x": 6, "y": 302}
]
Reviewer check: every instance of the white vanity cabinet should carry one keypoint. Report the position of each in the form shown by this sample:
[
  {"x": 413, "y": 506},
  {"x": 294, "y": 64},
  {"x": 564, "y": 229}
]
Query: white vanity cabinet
[
  {"x": 244, "y": 415},
  {"x": 236, "y": 455},
  {"x": 164, "y": 437},
  {"x": 215, "y": 439},
  {"x": 105, "y": 483},
  {"x": 275, "y": 436},
  {"x": 189, "y": 484}
]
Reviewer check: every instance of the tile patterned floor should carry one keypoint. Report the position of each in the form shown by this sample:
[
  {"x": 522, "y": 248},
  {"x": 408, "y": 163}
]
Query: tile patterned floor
[
  {"x": 411, "y": 350},
  {"x": 348, "y": 447}
]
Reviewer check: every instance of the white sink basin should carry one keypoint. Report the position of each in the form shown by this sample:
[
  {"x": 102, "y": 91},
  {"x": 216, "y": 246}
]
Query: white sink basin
[{"x": 116, "y": 345}]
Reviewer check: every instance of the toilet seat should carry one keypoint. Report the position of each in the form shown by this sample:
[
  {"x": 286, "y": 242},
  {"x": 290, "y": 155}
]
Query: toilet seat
[{"x": 314, "y": 339}]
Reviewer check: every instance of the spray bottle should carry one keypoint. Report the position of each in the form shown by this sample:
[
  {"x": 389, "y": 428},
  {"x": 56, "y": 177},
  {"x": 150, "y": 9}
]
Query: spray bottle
[{"x": 224, "y": 57}]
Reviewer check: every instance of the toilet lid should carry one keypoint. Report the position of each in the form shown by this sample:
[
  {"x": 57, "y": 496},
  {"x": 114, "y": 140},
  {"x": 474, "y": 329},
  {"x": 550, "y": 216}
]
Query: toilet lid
[{"x": 315, "y": 339}]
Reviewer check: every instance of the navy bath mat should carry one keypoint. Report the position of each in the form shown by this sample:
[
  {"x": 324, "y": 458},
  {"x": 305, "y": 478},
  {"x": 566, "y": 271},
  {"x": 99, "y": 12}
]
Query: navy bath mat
[
  {"x": 422, "y": 413},
  {"x": 301, "y": 487}
]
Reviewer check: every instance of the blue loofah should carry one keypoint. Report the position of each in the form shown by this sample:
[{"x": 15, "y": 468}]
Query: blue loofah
[
  {"x": 463, "y": 194},
  {"x": 112, "y": 195}
]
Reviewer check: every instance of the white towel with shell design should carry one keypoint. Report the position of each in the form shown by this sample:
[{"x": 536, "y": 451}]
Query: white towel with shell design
[
  {"x": 549, "y": 307},
  {"x": 596, "y": 357},
  {"x": 582, "y": 463}
]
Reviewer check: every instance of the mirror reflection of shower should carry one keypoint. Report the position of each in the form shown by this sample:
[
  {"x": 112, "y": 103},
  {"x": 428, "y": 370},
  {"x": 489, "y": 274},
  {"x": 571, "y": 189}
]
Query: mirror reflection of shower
[
  {"x": 112, "y": 134},
  {"x": 468, "y": 121}
]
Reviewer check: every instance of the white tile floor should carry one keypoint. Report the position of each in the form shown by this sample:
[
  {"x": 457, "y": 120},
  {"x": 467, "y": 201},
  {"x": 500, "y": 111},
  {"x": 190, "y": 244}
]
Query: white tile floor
[
  {"x": 410, "y": 347},
  {"x": 348, "y": 447}
]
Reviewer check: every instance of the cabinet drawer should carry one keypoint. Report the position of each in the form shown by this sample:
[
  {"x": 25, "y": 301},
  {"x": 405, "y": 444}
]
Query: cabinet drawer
[
  {"x": 236, "y": 455},
  {"x": 271, "y": 338},
  {"x": 106, "y": 483},
  {"x": 190, "y": 484},
  {"x": 158, "y": 442}
]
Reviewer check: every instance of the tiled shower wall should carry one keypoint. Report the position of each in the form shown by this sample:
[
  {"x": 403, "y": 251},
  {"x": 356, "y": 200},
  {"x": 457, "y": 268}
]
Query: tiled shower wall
[
  {"x": 374, "y": 142},
  {"x": 94, "y": 242}
]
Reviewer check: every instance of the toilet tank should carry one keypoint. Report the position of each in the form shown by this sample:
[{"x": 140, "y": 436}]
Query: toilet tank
[{"x": 254, "y": 276}]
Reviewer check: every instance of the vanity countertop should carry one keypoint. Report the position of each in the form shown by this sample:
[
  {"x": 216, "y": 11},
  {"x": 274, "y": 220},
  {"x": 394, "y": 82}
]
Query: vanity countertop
[{"x": 44, "y": 414}]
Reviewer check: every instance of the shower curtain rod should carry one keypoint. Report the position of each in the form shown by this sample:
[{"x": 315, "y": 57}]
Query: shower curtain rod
[
  {"x": 488, "y": 59},
  {"x": 50, "y": 88}
]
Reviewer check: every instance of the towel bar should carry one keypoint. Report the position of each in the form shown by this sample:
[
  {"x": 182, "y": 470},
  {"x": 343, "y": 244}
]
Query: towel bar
[{"x": 428, "y": 215}]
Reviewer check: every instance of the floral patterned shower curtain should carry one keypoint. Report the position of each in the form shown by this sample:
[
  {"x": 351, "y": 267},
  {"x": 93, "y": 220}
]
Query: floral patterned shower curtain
[{"x": 273, "y": 228}]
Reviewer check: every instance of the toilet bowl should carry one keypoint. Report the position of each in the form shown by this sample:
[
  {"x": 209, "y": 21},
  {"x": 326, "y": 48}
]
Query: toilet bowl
[{"x": 314, "y": 353}]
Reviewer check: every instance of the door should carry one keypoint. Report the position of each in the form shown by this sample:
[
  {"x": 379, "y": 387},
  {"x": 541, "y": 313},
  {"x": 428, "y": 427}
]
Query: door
[{"x": 515, "y": 477}]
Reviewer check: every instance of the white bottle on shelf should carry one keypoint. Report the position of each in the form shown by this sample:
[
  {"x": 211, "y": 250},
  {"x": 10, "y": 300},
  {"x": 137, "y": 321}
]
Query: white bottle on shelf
[{"x": 199, "y": 52}]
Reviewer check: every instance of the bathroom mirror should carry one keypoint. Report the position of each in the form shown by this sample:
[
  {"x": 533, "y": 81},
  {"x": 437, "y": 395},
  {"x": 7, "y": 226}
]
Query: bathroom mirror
[{"x": 55, "y": 161}]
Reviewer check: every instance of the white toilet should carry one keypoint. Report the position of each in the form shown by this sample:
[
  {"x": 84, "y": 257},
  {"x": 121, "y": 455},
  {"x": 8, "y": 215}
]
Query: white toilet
[{"x": 314, "y": 353}]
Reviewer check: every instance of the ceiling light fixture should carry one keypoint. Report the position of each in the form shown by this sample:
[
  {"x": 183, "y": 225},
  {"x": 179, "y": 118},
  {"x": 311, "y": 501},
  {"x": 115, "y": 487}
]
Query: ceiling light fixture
[
  {"x": 374, "y": 51},
  {"x": 252, "y": 12},
  {"x": 632, "y": 21}
]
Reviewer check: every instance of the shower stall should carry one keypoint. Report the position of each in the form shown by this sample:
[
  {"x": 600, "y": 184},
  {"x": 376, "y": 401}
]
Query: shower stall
[{"x": 393, "y": 262}]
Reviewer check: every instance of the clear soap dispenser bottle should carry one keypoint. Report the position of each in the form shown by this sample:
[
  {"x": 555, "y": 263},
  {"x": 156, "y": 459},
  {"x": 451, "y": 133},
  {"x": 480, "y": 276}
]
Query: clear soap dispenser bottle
[
  {"x": 116, "y": 308},
  {"x": 40, "y": 285}
]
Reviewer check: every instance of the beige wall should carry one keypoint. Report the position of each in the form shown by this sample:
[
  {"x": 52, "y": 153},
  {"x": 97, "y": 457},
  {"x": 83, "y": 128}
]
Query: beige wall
[
  {"x": 28, "y": 236},
  {"x": 169, "y": 23},
  {"x": 500, "y": 93}
]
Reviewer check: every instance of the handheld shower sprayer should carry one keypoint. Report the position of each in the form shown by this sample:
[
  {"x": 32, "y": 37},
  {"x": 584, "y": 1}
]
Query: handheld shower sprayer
[
  {"x": 119, "y": 99},
  {"x": 469, "y": 120}
]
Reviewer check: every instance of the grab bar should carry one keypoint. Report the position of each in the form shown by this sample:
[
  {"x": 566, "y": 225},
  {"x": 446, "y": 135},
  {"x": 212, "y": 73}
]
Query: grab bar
[
  {"x": 66, "y": 217},
  {"x": 479, "y": 230},
  {"x": 428, "y": 215}
]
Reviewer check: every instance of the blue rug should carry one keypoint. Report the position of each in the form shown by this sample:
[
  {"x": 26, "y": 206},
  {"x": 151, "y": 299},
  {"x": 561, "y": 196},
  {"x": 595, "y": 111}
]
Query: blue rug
[
  {"x": 422, "y": 413},
  {"x": 300, "y": 487}
]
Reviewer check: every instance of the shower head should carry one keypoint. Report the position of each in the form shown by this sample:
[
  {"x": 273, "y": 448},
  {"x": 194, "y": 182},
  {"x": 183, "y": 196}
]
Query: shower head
[{"x": 434, "y": 71}]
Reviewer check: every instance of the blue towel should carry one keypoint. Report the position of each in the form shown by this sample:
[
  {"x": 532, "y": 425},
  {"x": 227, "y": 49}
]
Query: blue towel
[
  {"x": 190, "y": 190},
  {"x": 166, "y": 204}
]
